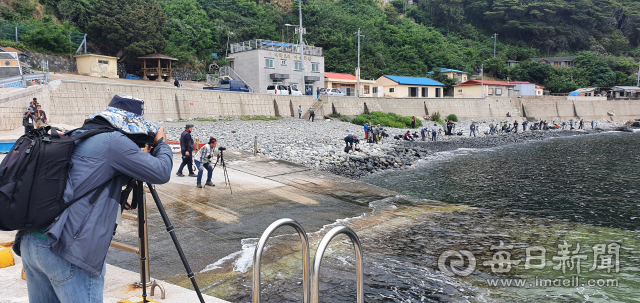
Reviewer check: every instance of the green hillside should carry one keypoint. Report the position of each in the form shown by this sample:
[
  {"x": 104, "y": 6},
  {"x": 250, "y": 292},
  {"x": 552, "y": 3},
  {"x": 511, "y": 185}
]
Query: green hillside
[{"x": 399, "y": 39}]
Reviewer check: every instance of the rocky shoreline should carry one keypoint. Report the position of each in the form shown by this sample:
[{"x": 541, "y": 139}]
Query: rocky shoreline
[{"x": 320, "y": 144}]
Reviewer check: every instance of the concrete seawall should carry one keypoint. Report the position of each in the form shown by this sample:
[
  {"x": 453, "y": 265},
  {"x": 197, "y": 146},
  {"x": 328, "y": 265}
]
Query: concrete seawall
[
  {"x": 71, "y": 102},
  {"x": 468, "y": 108}
]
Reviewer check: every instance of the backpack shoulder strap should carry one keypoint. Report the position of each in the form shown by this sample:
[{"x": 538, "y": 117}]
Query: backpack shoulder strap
[{"x": 91, "y": 132}]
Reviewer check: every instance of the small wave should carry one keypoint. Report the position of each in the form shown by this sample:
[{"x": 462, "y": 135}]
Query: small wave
[{"x": 243, "y": 259}]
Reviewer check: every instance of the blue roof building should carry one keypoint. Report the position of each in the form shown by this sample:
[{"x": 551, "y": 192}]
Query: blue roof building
[
  {"x": 459, "y": 75},
  {"x": 413, "y": 87}
]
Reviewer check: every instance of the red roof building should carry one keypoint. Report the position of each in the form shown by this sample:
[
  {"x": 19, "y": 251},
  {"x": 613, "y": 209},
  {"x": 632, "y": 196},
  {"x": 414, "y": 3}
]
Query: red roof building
[{"x": 347, "y": 84}]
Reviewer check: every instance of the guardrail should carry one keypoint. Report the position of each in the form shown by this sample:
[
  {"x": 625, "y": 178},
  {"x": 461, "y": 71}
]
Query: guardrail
[{"x": 25, "y": 78}]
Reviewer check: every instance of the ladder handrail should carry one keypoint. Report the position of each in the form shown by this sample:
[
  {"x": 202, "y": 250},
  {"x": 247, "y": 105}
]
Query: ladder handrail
[
  {"x": 324, "y": 243},
  {"x": 258, "y": 255}
]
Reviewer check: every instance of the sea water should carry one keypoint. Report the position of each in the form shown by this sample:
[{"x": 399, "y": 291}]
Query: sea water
[{"x": 551, "y": 221}]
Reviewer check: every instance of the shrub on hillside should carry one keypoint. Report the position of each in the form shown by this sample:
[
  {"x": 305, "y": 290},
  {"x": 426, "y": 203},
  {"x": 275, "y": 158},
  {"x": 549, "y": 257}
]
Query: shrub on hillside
[
  {"x": 52, "y": 38},
  {"x": 389, "y": 120},
  {"x": 435, "y": 117},
  {"x": 452, "y": 117}
]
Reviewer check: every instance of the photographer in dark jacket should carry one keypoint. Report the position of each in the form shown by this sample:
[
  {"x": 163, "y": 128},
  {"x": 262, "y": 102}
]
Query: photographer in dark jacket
[{"x": 186, "y": 148}]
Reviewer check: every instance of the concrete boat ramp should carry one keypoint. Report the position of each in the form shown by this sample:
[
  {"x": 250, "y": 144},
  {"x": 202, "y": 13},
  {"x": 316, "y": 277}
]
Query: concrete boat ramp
[{"x": 211, "y": 222}]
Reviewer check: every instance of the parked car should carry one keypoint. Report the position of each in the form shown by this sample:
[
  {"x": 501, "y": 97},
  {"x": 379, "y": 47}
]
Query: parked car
[
  {"x": 230, "y": 85},
  {"x": 331, "y": 92},
  {"x": 280, "y": 89},
  {"x": 295, "y": 91}
]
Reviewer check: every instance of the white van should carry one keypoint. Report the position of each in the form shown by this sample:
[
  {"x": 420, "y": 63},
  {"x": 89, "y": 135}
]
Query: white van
[{"x": 279, "y": 89}]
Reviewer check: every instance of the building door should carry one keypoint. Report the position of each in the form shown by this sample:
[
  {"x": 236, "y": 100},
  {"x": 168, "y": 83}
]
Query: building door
[
  {"x": 438, "y": 92},
  {"x": 425, "y": 92}
]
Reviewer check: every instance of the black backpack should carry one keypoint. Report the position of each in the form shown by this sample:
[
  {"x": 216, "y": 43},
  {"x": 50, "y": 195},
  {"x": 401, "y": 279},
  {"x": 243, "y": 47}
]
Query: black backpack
[{"x": 33, "y": 177}]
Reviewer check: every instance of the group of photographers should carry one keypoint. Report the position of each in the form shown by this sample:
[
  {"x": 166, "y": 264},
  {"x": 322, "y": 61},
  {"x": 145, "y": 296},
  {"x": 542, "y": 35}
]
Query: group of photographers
[
  {"x": 34, "y": 117},
  {"x": 203, "y": 158}
]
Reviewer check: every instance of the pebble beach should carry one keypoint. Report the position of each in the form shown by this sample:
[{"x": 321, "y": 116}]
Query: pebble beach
[{"x": 320, "y": 144}]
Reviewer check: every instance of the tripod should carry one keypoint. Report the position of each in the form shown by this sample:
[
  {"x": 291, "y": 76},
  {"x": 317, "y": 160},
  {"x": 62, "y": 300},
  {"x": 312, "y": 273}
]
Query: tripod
[
  {"x": 224, "y": 168},
  {"x": 138, "y": 200}
]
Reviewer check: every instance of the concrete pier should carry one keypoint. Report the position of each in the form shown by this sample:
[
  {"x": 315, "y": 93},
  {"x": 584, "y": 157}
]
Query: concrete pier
[{"x": 211, "y": 222}]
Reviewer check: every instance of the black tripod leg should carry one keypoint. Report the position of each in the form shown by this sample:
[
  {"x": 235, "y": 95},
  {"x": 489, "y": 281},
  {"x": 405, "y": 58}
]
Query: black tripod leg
[
  {"x": 139, "y": 194},
  {"x": 226, "y": 175},
  {"x": 171, "y": 232}
]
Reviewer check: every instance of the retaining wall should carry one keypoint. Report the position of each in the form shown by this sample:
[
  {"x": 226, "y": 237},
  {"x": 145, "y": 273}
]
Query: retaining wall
[
  {"x": 71, "y": 102},
  {"x": 471, "y": 108},
  {"x": 74, "y": 101}
]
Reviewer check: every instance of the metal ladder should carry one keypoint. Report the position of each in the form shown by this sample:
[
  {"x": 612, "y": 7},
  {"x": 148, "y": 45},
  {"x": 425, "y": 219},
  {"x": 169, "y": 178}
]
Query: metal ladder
[{"x": 309, "y": 295}]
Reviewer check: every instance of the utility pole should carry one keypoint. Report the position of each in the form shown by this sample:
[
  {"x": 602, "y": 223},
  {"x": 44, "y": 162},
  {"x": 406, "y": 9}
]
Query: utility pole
[
  {"x": 304, "y": 90},
  {"x": 358, "y": 70},
  {"x": 482, "y": 77},
  {"x": 495, "y": 37},
  {"x": 638, "y": 82}
]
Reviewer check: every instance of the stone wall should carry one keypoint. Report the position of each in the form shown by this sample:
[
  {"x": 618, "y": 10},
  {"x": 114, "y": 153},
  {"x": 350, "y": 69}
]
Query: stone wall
[
  {"x": 71, "y": 102},
  {"x": 57, "y": 63},
  {"x": 186, "y": 74},
  {"x": 471, "y": 108}
]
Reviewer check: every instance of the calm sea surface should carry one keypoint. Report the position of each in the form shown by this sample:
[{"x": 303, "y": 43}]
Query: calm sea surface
[{"x": 592, "y": 180}]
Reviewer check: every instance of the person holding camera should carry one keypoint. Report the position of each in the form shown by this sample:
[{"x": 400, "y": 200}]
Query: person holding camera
[
  {"x": 203, "y": 160},
  {"x": 186, "y": 148},
  {"x": 28, "y": 118},
  {"x": 65, "y": 262}
]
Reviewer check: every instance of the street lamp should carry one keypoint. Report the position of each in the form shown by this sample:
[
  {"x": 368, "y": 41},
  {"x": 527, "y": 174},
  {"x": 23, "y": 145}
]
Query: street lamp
[
  {"x": 226, "y": 52},
  {"x": 358, "y": 72},
  {"x": 300, "y": 30},
  {"x": 495, "y": 37}
]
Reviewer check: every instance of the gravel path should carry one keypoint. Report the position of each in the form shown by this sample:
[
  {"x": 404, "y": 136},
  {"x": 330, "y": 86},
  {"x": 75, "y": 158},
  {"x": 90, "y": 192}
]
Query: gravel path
[{"x": 320, "y": 144}]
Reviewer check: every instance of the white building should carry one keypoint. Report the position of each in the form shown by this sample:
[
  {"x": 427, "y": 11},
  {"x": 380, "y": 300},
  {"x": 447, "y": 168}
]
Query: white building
[{"x": 260, "y": 63}]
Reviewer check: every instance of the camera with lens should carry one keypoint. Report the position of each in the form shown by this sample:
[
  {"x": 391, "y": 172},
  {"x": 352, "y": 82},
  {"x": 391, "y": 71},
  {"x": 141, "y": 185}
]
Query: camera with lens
[{"x": 222, "y": 148}]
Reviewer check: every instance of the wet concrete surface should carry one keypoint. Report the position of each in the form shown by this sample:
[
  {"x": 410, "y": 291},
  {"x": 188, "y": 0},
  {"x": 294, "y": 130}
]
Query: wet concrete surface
[{"x": 211, "y": 222}]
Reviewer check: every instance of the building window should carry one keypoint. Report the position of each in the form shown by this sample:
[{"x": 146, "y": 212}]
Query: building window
[
  {"x": 103, "y": 62},
  {"x": 298, "y": 65},
  {"x": 491, "y": 91},
  {"x": 366, "y": 89},
  {"x": 268, "y": 62},
  {"x": 315, "y": 67},
  {"x": 438, "y": 92},
  {"x": 498, "y": 91},
  {"x": 391, "y": 90},
  {"x": 413, "y": 92},
  {"x": 283, "y": 62},
  {"x": 375, "y": 89},
  {"x": 459, "y": 90},
  {"x": 425, "y": 92}
]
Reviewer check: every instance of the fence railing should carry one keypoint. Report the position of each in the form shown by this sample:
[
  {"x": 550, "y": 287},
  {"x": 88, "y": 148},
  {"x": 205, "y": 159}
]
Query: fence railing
[
  {"x": 275, "y": 46},
  {"x": 228, "y": 71}
]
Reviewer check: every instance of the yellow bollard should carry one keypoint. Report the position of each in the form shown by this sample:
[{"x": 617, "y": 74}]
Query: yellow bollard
[{"x": 6, "y": 258}]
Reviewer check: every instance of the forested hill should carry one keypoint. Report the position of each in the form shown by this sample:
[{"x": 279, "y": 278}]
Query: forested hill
[{"x": 399, "y": 38}]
